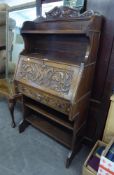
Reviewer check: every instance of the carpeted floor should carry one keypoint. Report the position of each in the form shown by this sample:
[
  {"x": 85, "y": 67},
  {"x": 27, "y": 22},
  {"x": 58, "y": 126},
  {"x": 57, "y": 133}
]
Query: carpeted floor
[{"x": 32, "y": 152}]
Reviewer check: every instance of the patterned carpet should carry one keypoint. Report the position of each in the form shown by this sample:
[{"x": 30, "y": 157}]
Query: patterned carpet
[{"x": 32, "y": 152}]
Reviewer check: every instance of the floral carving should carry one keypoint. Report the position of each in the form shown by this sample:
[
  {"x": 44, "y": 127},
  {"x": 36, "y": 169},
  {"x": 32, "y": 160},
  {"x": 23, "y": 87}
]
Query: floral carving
[
  {"x": 64, "y": 11},
  {"x": 47, "y": 76}
]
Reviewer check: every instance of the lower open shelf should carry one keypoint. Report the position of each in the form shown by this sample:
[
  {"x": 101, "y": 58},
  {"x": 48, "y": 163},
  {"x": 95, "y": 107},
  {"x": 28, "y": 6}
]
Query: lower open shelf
[
  {"x": 57, "y": 118},
  {"x": 60, "y": 134}
]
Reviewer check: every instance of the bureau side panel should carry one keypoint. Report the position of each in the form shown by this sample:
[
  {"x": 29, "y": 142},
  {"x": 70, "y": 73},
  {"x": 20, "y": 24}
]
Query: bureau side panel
[{"x": 83, "y": 92}]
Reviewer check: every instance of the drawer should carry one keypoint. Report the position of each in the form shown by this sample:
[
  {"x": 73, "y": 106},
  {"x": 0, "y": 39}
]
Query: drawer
[{"x": 58, "y": 104}]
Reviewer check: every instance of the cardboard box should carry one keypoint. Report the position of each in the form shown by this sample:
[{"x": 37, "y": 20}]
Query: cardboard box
[
  {"x": 109, "y": 127},
  {"x": 86, "y": 170},
  {"x": 107, "y": 136},
  {"x": 106, "y": 166}
]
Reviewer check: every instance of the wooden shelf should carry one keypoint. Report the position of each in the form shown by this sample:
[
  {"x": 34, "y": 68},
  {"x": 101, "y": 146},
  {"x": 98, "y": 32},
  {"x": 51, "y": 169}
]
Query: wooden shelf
[
  {"x": 53, "y": 32},
  {"x": 50, "y": 116},
  {"x": 58, "y": 133}
]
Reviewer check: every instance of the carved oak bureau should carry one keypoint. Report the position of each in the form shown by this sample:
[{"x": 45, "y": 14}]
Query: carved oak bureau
[{"x": 55, "y": 72}]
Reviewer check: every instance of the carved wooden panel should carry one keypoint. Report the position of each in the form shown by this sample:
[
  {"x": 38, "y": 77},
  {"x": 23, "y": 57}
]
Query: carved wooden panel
[
  {"x": 44, "y": 75},
  {"x": 48, "y": 75},
  {"x": 66, "y": 12}
]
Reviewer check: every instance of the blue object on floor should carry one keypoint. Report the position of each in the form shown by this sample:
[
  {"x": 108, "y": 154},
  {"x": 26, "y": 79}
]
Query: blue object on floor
[{"x": 110, "y": 154}]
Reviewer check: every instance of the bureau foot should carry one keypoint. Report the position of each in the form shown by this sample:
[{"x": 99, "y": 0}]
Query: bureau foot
[
  {"x": 11, "y": 103},
  {"x": 72, "y": 154},
  {"x": 69, "y": 158},
  {"x": 22, "y": 126}
]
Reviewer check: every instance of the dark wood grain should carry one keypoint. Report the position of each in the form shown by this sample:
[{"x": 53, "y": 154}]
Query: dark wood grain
[
  {"x": 105, "y": 8},
  {"x": 55, "y": 73},
  {"x": 103, "y": 81}
]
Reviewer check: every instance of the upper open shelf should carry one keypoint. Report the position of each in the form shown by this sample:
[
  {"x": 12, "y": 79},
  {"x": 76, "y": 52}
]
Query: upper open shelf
[
  {"x": 63, "y": 20},
  {"x": 64, "y": 35},
  {"x": 53, "y": 32}
]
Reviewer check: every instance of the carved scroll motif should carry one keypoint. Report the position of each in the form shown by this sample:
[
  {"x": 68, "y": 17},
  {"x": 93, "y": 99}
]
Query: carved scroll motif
[
  {"x": 67, "y": 12},
  {"x": 43, "y": 75},
  {"x": 46, "y": 99}
]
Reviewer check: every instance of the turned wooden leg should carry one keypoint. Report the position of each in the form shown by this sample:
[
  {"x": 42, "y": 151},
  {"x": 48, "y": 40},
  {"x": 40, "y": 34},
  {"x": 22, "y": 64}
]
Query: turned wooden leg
[
  {"x": 23, "y": 125},
  {"x": 12, "y": 103}
]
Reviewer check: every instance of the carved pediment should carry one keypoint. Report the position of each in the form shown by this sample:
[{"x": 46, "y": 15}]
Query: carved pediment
[
  {"x": 62, "y": 12},
  {"x": 67, "y": 12}
]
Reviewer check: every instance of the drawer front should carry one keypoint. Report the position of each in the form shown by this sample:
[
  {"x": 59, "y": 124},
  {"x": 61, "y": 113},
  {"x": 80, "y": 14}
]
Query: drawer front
[{"x": 44, "y": 98}]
